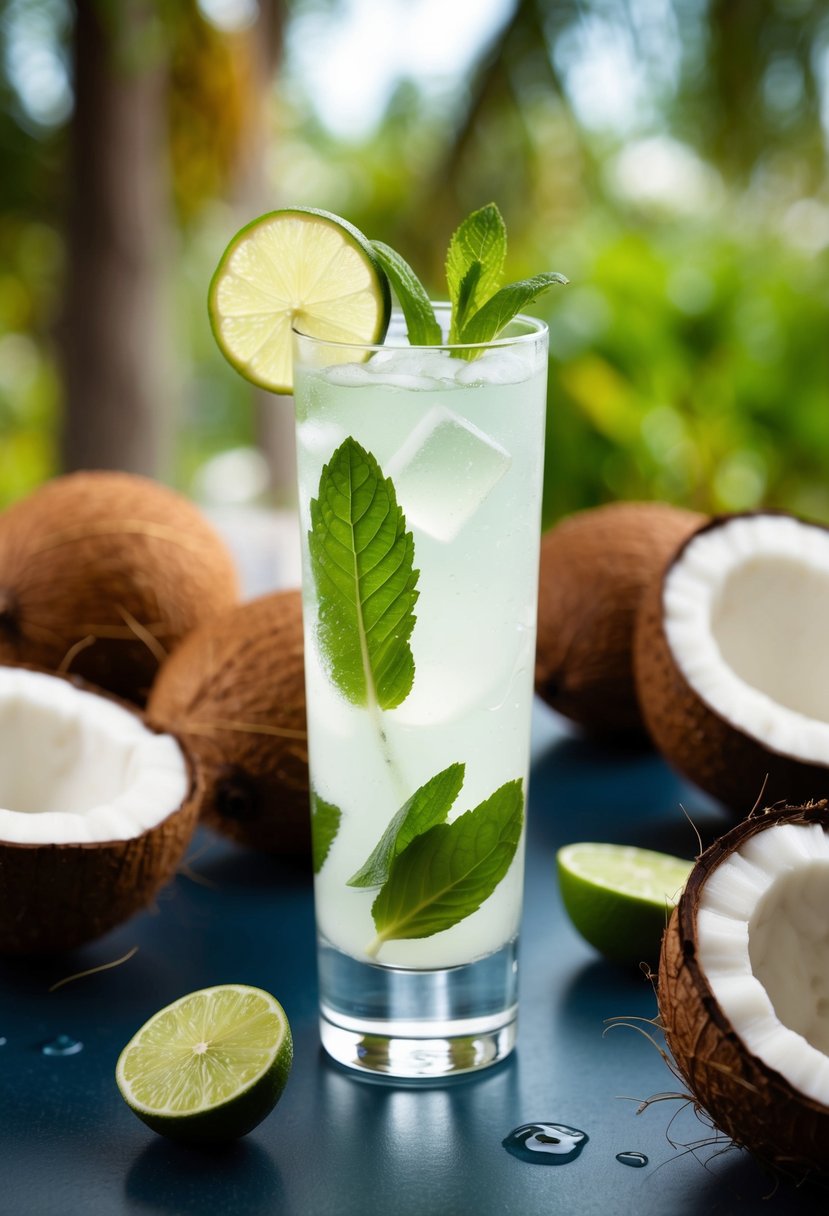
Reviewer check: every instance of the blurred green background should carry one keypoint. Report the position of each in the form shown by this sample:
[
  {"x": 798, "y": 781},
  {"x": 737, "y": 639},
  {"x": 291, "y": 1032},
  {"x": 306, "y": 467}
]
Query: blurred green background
[{"x": 669, "y": 156}]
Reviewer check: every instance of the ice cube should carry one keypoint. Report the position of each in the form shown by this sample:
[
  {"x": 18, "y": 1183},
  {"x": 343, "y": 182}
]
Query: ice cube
[
  {"x": 437, "y": 364},
  {"x": 495, "y": 367},
  {"x": 349, "y": 375},
  {"x": 444, "y": 471},
  {"x": 320, "y": 438}
]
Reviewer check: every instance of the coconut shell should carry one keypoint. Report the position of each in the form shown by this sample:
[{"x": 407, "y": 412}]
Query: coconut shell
[
  {"x": 55, "y": 897},
  {"x": 102, "y": 573},
  {"x": 724, "y": 761},
  {"x": 753, "y": 1104},
  {"x": 234, "y": 692},
  {"x": 595, "y": 566}
]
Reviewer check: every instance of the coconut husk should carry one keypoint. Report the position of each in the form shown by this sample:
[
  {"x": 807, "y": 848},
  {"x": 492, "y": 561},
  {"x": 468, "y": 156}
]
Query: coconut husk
[
  {"x": 103, "y": 573},
  {"x": 595, "y": 566},
  {"x": 234, "y": 692}
]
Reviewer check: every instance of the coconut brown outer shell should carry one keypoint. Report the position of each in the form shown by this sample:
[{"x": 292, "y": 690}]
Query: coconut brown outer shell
[
  {"x": 716, "y": 756},
  {"x": 753, "y": 1104},
  {"x": 105, "y": 556},
  {"x": 54, "y": 897},
  {"x": 234, "y": 692},
  {"x": 595, "y": 566}
]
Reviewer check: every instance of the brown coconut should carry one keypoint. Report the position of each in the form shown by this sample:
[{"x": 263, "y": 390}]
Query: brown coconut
[
  {"x": 753, "y": 1104},
  {"x": 731, "y": 764},
  {"x": 104, "y": 573},
  {"x": 234, "y": 692},
  {"x": 595, "y": 566},
  {"x": 55, "y": 897}
]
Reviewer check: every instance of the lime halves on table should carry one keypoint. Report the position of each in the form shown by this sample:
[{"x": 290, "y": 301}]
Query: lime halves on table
[
  {"x": 210, "y": 1066},
  {"x": 295, "y": 268},
  {"x": 620, "y": 897}
]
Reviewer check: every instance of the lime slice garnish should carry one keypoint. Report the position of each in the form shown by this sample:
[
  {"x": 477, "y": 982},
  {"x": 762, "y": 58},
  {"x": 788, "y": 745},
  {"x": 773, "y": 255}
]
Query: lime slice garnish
[
  {"x": 210, "y": 1066},
  {"x": 298, "y": 267},
  {"x": 619, "y": 897}
]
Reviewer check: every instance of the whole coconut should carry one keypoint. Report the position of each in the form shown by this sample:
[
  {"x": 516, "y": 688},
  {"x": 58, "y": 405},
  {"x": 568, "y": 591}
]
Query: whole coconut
[
  {"x": 235, "y": 690},
  {"x": 103, "y": 573},
  {"x": 595, "y": 567}
]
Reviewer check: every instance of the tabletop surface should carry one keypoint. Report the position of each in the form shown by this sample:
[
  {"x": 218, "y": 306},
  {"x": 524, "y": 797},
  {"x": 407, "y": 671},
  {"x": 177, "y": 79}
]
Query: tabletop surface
[{"x": 341, "y": 1145}]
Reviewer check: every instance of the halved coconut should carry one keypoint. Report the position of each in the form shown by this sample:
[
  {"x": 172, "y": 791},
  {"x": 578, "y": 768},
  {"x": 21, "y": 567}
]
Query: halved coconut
[
  {"x": 732, "y": 660},
  {"x": 744, "y": 986},
  {"x": 95, "y": 811},
  {"x": 595, "y": 566}
]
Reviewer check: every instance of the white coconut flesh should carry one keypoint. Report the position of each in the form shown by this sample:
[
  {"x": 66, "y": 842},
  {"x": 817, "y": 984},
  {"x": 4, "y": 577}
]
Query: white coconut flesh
[
  {"x": 76, "y": 767},
  {"x": 745, "y": 618},
  {"x": 763, "y": 945}
]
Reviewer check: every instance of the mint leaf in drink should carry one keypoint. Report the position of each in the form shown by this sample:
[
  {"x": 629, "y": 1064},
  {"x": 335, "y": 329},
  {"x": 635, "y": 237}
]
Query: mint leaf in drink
[
  {"x": 500, "y": 309},
  {"x": 426, "y": 807},
  {"x": 421, "y": 323},
  {"x": 362, "y": 561},
  {"x": 445, "y": 874},
  {"x": 325, "y": 823},
  {"x": 481, "y": 238}
]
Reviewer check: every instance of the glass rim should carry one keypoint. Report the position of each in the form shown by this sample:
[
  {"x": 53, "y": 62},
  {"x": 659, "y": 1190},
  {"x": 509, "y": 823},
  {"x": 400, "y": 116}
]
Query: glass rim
[{"x": 536, "y": 328}]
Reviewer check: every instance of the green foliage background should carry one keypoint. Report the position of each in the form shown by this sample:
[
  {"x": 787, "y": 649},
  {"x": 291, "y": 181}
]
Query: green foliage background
[{"x": 689, "y": 357}]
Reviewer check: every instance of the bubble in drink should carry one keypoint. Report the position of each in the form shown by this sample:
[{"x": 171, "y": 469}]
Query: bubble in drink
[{"x": 444, "y": 471}]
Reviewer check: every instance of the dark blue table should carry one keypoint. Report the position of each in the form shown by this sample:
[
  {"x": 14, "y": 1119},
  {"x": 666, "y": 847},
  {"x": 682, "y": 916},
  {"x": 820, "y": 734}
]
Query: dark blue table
[{"x": 340, "y": 1145}]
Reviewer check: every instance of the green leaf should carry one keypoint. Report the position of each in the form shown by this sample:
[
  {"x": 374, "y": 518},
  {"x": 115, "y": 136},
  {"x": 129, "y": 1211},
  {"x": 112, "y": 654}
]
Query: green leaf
[
  {"x": 482, "y": 237},
  {"x": 421, "y": 323},
  {"x": 491, "y": 318},
  {"x": 445, "y": 874},
  {"x": 463, "y": 304},
  {"x": 325, "y": 823},
  {"x": 426, "y": 807},
  {"x": 362, "y": 562}
]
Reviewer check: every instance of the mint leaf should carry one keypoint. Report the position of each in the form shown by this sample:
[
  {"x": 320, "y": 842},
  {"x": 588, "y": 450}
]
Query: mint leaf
[
  {"x": 463, "y": 304},
  {"x": 446, "y": 873},
  {"x": 325, "y": 823},
  {"x": 421, "y": 323},
  {"x": 498, "y": 311},
  {"x": 426, "y": 807},
  {"x": 362, "y": 563},
  {"x": 482, "y": 237}
]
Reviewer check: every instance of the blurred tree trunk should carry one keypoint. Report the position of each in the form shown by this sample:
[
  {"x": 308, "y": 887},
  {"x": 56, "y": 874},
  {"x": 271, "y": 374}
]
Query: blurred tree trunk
[
  {"x": 274, "y": 415},
  {"x": 114, "y": 338}
]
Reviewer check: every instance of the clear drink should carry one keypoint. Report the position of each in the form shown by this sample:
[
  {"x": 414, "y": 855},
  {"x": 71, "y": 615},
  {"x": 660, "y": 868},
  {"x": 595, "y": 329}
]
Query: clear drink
[{"x": 418, "y": 924}]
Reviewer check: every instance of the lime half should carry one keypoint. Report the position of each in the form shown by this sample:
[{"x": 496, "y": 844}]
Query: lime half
[
  {"x": 210, "y": 1066},
  {"x": 298, "y": 267},
  {"x": 619, "y": 897}
]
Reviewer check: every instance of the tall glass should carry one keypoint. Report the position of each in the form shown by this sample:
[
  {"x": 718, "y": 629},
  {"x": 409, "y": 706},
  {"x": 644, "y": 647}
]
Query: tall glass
[{"x": 420, "y": 475}]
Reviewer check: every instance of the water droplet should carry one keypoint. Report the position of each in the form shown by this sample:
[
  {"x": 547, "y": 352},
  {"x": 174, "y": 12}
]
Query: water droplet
[
  {"x": 3, "y": 1040},
  {"x": 635, "y": 1160},
  {"x": 545, "y": 1143},
  {"x": 62, "y": 1045}
]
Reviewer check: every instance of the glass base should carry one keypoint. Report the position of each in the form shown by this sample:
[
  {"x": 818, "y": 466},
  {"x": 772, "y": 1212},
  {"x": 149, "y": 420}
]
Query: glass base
[{"x": 418, "y": 1025}]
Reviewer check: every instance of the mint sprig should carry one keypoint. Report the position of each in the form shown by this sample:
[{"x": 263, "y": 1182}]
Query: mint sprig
[
  {"x": 474, "y": 264},
  {"x": 426, "y": 807},
  {"x": 481, "y": 307},
  {"x": 446, "y": 873},
  {"x": 362, "y": 561}
]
